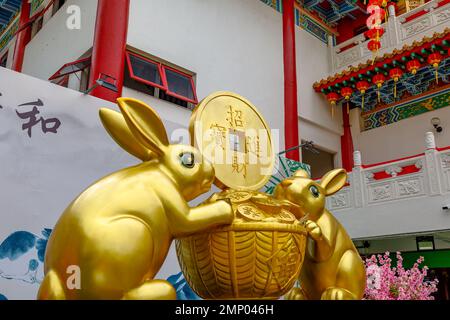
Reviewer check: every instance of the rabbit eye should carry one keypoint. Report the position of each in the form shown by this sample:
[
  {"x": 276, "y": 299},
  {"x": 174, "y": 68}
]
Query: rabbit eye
[
  {"x": 187, "y": 159},
  {"x": 314, "y": 191}
]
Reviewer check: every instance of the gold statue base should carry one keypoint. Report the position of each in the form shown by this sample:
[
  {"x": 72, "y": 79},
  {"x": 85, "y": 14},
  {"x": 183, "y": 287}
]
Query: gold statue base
[{"x": 258, "y": 256}]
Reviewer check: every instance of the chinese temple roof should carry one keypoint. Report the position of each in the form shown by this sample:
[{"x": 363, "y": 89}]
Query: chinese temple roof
[
  {"x": 328, "y": 11},
  {"x": 8, "y": 10},
  {"x": 397, "y": 57},
  {"x": 427, "y": 77},
  {"x": 331, "y": 11}
]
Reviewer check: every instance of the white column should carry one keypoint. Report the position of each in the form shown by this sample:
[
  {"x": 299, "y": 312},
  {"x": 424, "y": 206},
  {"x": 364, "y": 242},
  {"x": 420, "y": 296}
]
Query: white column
[
  {"x": 332, "y": 54},
  {"x": 393, "y": 27},
  {"x": 357, "y": 180},
  {"x": 432, "y": 165},
  {"x": 391, "y": 10}
]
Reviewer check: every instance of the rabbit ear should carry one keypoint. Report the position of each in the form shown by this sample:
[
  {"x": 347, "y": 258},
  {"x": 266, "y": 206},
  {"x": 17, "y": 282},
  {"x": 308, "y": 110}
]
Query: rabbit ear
[
  {"x": 333, "y": 181},
  {"x": 117, "y": 128},
  {"x": 145, "y": 124}
]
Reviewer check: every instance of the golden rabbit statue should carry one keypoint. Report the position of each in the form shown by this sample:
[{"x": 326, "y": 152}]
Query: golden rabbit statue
[
  {"x": 118, "y": 231},
  {"x": 333, "y": 269}
]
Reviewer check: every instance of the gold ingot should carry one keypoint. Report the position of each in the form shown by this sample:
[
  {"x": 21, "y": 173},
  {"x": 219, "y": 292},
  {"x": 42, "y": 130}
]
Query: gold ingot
[
  {"x": 240, "y": 196},
  {"x": 259, "y": 256},
  {"x": 231, "y": 133}
]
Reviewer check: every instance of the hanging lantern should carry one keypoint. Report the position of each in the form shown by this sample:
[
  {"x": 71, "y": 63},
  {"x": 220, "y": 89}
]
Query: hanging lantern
[
  {"x": 362, "y": 87},
  {"x": 412, "y": 66},
  {"x": 434, "y": 59},
  {"x": 375, "y": 33},
  {"x": 332, "y": 98},
  {"x": 374, "y": 46},
  {"x": 395, "y": 75},
  {"x": 378, "y": 3},
  {"x": 347, "y": 92},
  {"x": 373, "y": 22},
  {"x": 378, "y": 79}
]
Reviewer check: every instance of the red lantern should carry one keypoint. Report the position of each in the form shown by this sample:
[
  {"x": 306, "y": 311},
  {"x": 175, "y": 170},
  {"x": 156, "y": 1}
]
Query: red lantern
[
  {"x": 362, "y": 87},
  {"x": 374, "y": 46},
  {"x": 347, "y": 92},
  {"x": 434, "y": 59},
  {"x": 412, "y": 66},
  {"x": 332, "y": 98},
  {"x": 395, "y": 75},
  {"x": 375, "y": 33},
  {"x": 378, "y": 79},
  {"x": 377, "y": 3}
]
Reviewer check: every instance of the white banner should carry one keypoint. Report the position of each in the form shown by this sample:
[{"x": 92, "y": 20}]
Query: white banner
[{"x": 52, "y": 147}]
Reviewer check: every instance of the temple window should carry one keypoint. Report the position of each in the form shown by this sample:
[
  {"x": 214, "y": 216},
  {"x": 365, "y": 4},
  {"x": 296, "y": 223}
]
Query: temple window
[
  {"x": 4, "y": 60},
  {"x": 320, "y": 163},
  {"x": 73, "y": 75},
  {"x": 160, "y": 80},
  {"x": 58, "y": 5}
]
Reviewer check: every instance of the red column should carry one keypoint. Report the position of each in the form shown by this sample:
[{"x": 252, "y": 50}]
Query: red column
[
  {"x": 110, "y": 40},
  {"x": 23, "y": 36},
  {"x": 290, "y": 80},
  {"x": 347, "y": 142}
]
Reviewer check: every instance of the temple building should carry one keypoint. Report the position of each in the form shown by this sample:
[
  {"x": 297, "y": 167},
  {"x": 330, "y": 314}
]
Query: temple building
[{"x": 373, "y": 101}]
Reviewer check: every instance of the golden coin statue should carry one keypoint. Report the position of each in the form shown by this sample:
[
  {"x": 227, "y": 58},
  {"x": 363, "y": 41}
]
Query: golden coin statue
[{"x": 260, "y": 255}]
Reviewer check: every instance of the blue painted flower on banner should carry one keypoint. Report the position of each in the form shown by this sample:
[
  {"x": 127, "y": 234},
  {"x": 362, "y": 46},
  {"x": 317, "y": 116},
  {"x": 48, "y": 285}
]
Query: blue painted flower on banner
[
  {"x": 184, "y": 292},
  {"x": 26, "y": 248}
]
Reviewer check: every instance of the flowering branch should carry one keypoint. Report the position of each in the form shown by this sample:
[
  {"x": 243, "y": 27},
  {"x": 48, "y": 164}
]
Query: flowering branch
[{"x": 385, "y": 282}]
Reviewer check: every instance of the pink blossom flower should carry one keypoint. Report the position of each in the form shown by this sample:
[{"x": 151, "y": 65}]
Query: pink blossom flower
[{"x": 385, "y": 282}]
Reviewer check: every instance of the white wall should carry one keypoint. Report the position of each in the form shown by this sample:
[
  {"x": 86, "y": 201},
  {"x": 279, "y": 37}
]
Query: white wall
[
  {"x": 41, "y": 175},
  {"x": 401, "y": 139},
  {"x": 55, "y": 44},
  {"x": 231, "y": 45},
  {"x": 327, "y": 139},
  {"x": 316, "y": 122}
]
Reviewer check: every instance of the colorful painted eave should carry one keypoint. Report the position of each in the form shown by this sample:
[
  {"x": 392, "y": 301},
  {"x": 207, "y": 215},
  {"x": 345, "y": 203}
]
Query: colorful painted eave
[{"x": 380, "y": 62}]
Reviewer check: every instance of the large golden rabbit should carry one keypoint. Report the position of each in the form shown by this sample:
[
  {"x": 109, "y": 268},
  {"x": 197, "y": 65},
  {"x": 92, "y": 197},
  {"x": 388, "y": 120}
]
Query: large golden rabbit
[
  {"x": 333, "y": 269},
  {"x": 117, "y": 233}
]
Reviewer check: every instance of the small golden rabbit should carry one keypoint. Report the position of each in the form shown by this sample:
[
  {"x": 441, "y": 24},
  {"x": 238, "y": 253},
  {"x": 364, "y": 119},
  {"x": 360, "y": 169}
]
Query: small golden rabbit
[
  {"x": 333, "y": 269},
  {"x": 118, "y": 231}
]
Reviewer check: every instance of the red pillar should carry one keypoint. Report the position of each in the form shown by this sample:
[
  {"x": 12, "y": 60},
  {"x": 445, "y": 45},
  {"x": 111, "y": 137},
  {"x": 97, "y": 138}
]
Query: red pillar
[
  {"x": 347, "y": 142},
  {"x": 110, "y": 40},
  {"x": 23, "y": 36},
  {"x": 290, "y": 80}
]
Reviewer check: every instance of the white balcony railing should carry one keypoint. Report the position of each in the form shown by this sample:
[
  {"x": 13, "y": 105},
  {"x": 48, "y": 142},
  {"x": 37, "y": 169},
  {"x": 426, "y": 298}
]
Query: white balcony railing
[
  {"x": 423, "y": 175},
  {"x": 425, "y": 20}
]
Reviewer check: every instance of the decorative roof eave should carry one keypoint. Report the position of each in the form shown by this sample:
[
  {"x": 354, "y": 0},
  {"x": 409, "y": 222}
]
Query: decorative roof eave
[
  {"x": 312, "y": 16},
  {"x": 387, "y": 58}
]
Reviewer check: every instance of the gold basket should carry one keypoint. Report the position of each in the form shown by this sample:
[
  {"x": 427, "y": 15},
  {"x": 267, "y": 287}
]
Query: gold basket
[{"x": 246, "y": 260}]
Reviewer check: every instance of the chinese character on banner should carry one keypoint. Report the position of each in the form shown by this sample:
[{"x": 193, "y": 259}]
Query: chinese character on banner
[
  {"x": 47, "y": 125},
  {"x": 1, "y": 107}
]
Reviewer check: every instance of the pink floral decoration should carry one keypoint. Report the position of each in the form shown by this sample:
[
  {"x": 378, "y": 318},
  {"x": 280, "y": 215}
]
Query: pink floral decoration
[{"x": 387, "y": 282}]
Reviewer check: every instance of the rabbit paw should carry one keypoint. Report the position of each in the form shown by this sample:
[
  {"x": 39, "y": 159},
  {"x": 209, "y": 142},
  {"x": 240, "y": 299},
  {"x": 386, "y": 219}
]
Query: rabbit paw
[
  {"x": 227, "y": 210},
  {"x": 337, "y": 294},
  {"x": 313, "y": 229},
  {"x": 296, "y": 294}
]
